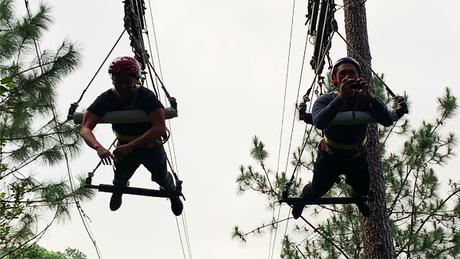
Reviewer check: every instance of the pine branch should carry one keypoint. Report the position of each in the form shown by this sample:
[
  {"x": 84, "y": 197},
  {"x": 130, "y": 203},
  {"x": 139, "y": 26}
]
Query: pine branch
[
  {"x": 34, "y": 239},
  {"x": 422, "y": 223},
  {"x": 326, "y": 238},
  {"x": 259, "y": 229}
]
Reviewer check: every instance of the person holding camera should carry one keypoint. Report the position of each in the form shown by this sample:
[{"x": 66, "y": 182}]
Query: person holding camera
[{"x": 343, "y": 147}]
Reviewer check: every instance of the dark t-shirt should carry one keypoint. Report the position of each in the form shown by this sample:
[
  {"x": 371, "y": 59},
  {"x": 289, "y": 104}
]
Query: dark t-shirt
[{"x": 144, "y": 99}]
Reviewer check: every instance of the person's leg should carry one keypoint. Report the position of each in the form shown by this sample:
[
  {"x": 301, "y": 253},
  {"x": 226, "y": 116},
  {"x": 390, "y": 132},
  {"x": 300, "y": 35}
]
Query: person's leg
[
  {"x": 325, "y": 174},
  {"x": 357, "y": 176},
  {"x": 124, "y": 169},
  {"x": 155, "y": 161}
]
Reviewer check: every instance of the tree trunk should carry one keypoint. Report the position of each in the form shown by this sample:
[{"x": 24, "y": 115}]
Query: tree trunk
[{"x": 378, "y": 241}]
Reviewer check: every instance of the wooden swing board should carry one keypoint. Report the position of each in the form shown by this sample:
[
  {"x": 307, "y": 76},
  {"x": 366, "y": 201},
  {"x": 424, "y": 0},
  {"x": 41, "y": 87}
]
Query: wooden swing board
[
  {"x": 131, "y": 190},
  {"x": 326, "y": 200}
]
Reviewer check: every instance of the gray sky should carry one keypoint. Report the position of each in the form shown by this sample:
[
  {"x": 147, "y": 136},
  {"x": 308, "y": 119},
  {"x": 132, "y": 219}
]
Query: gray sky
[{"x": 225, "y": 62}]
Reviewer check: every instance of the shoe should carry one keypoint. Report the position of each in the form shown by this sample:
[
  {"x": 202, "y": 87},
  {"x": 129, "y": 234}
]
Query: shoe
[
  {"x": 297, "y": 209},
  {"x": 364, "y": 209},
  {"x": 115, "y": 201},
  {"x": 176, "y": 205}
]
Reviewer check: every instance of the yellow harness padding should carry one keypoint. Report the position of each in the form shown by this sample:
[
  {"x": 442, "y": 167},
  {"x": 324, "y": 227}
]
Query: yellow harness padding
[
  {"x": 125, "y": 138},
  {"x": 337, "y": 145}
]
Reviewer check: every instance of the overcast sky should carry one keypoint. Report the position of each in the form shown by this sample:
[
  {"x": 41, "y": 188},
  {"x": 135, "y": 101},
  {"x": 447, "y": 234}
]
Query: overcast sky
[{"x": 225, "y": 62}]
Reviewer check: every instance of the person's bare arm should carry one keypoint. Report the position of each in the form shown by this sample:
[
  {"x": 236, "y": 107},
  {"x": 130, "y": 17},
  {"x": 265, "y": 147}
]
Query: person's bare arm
[{"x": 90, "y": 121}]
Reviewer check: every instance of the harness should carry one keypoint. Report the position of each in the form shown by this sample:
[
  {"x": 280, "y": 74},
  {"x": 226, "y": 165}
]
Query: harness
[
  {"x": 336, "y": 145},
  {"x": 331, "y": 147},
  {"x": 125, "y": 138}
]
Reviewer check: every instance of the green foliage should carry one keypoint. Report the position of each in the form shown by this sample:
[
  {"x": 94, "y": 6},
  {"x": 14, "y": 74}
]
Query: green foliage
[
  {"x": 290, "y": 251},
  {"x": 35, "y": 251},
  {"x": 424, "y": 215},
  {"x": 30, "y": 131},
  {"x": 6, "y": 84}
]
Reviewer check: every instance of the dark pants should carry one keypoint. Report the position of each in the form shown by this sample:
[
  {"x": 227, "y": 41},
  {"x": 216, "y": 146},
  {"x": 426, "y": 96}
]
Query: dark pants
[
  {"x": 154, "y": 159},
  {"x": 328, "y": 167}
]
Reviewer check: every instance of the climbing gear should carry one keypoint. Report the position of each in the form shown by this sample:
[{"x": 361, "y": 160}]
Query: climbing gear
[
  {"x": 322, "y": 28},
  {"x": 357, "y": 147},
  {"x": 125, "y": 138},
  {"x": 346, "y": 60},
  {"x": 125, "y": 65}
]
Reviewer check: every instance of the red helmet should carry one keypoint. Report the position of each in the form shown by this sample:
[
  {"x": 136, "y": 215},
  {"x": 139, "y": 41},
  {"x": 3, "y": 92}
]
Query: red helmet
[{"x": 125, "y": 65}]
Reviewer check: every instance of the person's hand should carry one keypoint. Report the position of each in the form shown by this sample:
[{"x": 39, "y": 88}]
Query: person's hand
[
  {"x": 122, "y": 150},
  {"x": 363, "y": 89},
  {"x": 402, "y": 106},
  {"x": 302, "y": 111},
  {"x": 173, "y": 102},
  {"x": 346, "y": 88},
  {"x": 302, "y": 106},
  {"x": 105, "y": 155}
]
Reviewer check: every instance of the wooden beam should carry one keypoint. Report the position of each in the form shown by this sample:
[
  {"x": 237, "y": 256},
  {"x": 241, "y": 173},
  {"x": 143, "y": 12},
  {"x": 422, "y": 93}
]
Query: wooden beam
[
  {"x": 131, "y": 190},
  {"x": 326, "y": 200}
]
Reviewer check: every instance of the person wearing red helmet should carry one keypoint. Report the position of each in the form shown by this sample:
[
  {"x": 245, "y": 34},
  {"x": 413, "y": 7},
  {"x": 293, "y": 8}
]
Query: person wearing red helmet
[
  {"x": 137, "y": 143},
  {"x": 343, "y": 147}
]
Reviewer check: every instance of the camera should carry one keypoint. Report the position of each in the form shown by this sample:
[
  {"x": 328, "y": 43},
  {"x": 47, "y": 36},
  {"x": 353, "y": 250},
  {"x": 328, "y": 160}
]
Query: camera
[{"x": 358, "y": 85}]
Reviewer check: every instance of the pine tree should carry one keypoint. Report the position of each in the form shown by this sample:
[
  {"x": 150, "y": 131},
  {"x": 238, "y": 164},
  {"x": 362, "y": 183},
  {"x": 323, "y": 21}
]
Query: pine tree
[
  {"x": 30, "y": 131},
  {"x": 378, "y": 242},
  {"x": 424, "y": 215},
  {"x": 36, "y": 251}
]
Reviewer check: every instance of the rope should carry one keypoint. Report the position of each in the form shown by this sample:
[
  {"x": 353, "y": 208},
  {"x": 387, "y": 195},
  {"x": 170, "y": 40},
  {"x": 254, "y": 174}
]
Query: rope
[
  {"x": 172, "y": 163},
  {"x": 308, "y": 130},
  {"x": 99, "y": 69},
  {"x": 294, "y": 120},
  {"x": 310, "y": 105},
  {"x": 286, "y": 84},
  {"x": 325, "y": 237},
  {"x": 155, "y": 83},
  {"x": 159, "y": 79},
  {"x": 363, "y": 61},
  {"x": 187, "y": 236},
  {"x": 276, "y": 231},
  {"x": 180, "y": 238},
  {"x": 319, "y": 61},
  {"x": 271, "y": 234},
  {"x": 91, "y": 174},
  {"x": 155, "y": 40}
]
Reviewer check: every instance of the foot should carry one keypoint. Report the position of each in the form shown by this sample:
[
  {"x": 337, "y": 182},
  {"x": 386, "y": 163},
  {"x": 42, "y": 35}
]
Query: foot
[
  {"x": 297, "y": 209},
  {"x": 176, "y": 205},
  {"x": 364, "y": 209},
  {"x": 115, "y": 201}
]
